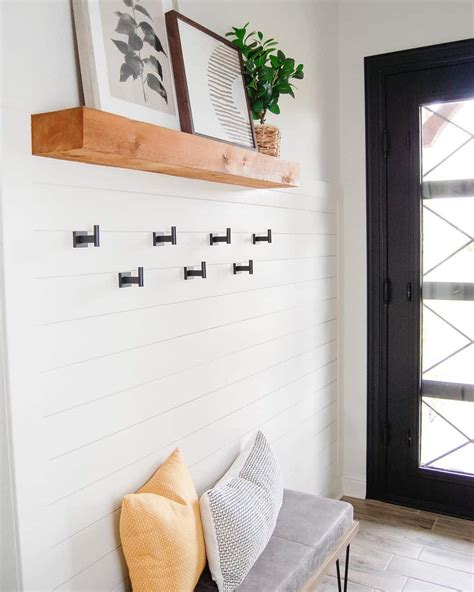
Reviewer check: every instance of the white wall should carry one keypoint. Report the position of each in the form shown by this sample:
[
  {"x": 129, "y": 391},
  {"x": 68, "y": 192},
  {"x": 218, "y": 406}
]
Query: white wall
[
  {"x": 369, "y": 28},
  {"x": 104, "y": 383}
]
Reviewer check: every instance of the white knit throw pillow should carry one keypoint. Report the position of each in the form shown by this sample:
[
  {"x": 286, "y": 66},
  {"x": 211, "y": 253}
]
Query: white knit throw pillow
[{"x": 239, "y": 513}]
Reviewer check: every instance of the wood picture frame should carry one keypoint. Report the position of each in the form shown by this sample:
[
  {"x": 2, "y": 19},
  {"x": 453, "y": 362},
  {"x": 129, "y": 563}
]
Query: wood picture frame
[{"x": 211, "y": 103}]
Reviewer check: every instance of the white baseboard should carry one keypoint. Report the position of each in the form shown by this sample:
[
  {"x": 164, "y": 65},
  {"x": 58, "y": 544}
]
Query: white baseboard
[{"x": 354, "y": 486}]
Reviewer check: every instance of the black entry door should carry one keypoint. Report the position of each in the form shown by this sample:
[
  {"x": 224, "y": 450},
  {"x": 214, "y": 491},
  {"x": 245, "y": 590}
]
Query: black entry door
[{"x": 420, "y": 140}]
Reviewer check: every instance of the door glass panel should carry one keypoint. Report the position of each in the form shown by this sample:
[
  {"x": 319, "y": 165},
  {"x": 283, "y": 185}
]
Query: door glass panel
[{"x": 447, "y": 192}]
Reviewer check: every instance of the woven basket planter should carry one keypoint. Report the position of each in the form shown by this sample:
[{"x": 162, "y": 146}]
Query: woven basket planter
[{"x": 268, "y": 139}]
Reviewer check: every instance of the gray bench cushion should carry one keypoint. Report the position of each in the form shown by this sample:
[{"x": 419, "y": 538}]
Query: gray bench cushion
[{"x": 308, "y": 527}]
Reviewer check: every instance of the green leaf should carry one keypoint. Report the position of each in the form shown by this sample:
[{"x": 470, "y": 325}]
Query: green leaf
[
  {"x": 275, "y": 61},
  {"x": 265, "y": 74},
  {"x": 144, "y": 11},
  {"x": 156, "y": 85},
  {"x": 134, "y": 42},
  {"x": 284, "y": 88},
  {"x": 249, "y": 35},
  {"x": 249, "y": 67},
  {"x": 253, "y": 53},
  {"x": 126, "y": 24},
  {"x": 275, "y": 109},
  {"x": 267, "y": 71},
  {"x": 289, "y": 66},
  {"x": 155, "y": 64},
  {"x": 290, "y": 92},
  {"x": 121, "y": 45},
  {"x": 125, "y": 72},
  {"x": 240, "y": 34},
  {"x": 265, "y": 91},
  {"x": 275, "y": 98},
  {"x": 257, "y": 106}
]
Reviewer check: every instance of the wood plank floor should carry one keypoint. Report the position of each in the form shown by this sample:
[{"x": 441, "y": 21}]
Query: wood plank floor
[{"x": 406, "y": 550}]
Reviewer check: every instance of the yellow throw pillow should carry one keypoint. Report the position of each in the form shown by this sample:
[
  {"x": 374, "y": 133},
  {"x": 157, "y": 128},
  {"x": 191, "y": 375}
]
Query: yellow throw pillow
[{"x": 161, "y": 531}]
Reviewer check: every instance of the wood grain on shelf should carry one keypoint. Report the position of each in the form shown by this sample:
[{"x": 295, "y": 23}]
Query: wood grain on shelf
[{"x": 97, "y": 137}]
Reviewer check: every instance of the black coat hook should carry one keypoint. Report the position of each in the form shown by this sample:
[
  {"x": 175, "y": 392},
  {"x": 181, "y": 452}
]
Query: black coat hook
[
  {"x": 159, "y": 238},
  {"x": 221, "y": 239},
  {"x": 239, "y": 268},
  {"x": 190, "y": 273},
  {"x": 81, "y": 239},
  {"x": 266, "y": 238},
  {"x": 126, "y": 279}
]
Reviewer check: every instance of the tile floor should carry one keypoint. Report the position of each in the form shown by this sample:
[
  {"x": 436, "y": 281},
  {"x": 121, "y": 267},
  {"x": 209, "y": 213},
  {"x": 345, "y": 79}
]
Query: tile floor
[{"x": 401, "y": 549}]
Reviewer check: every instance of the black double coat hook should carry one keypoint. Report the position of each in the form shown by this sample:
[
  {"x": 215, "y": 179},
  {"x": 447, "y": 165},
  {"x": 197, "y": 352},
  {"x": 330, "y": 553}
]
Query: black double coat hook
[{"x": 81, "y": 239}]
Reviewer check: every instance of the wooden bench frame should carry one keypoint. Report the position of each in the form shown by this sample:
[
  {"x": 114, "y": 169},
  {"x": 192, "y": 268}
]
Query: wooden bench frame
[{"x": 333, "y": 558}]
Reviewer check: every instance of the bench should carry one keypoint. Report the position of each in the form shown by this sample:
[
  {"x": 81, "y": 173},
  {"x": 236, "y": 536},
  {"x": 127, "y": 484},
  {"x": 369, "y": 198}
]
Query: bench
[{"x": 310, "y": 535}]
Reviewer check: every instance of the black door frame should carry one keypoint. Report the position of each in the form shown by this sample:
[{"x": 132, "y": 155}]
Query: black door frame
[{"x": 377, "y": 68}]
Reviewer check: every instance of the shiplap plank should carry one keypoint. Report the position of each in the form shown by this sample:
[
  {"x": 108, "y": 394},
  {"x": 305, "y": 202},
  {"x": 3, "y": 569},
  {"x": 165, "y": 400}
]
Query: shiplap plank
[
  {"x": 122, "y": 250},
  {"x": 323, "y": 199},
  {"x": 130, "y": 445},
  {"x": 176, "y": 390},
  {"x": 123, "y": 586},
  {"x": 71, "y": 386},
  {"x": 107, "y": 570},
  {"x": 93, "y": 502},
  {"x": 72, "y": 343},
  {"x": 112, "y": 210},
  {"x": 63, "y": 299}
]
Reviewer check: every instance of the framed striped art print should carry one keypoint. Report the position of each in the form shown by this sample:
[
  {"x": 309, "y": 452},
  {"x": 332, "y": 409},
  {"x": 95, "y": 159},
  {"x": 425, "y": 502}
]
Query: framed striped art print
[{"x": 209, "y": 81}]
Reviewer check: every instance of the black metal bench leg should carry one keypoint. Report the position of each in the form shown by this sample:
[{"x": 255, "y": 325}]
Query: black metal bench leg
[
  {"x": 346, "y": 569},
  {"x": 339, "y": 587}
]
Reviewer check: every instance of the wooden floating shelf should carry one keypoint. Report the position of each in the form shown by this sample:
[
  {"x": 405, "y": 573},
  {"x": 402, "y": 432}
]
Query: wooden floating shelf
[{"x": 97, "y": 137}]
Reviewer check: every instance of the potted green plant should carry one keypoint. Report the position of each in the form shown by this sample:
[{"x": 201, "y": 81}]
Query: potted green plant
[{"x": 268, "y": 73}]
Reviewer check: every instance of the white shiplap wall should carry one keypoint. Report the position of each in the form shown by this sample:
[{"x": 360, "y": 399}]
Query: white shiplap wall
[{"x": 104, "y": 383}]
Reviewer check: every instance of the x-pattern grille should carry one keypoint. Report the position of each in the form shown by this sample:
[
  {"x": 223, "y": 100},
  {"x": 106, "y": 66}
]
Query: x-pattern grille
[{"x": 440, "y": 118}]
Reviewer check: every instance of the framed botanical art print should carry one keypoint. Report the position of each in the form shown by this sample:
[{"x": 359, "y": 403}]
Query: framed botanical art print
[
  {"x": 208, "y": 73},
  {"x": 124, "y": 56}
]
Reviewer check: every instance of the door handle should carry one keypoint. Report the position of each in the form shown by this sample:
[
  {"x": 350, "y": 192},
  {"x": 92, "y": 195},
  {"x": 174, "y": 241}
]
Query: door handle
[{"x": 409, "y": 292}]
